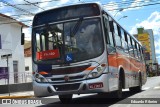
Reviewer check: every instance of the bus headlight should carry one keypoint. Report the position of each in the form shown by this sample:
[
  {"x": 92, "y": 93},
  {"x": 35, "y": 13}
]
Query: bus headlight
[
  {"x": 96, "y": 72},
  {"x": 40, "y": 78}
]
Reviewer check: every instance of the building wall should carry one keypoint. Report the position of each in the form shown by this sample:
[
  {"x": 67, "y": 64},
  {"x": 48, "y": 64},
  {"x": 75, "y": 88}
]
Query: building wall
[
  {"x": 28, "y": 54},
  {"x": 11, "y": 44},
  {"x": 153, "y": 55},
  {"x": 28, "y": 63},
  {"x": 149, "y": 42}
]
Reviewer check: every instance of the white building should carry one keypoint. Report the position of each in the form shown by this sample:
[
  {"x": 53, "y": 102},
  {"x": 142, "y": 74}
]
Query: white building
[{"x": 10, "y": 34}]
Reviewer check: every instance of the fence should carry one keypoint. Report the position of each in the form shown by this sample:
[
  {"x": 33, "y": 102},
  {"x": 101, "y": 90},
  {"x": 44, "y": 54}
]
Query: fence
[{"x": 15, "y": 77}]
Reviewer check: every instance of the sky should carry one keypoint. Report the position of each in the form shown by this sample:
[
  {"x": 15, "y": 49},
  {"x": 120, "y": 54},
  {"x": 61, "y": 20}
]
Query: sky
[{"x": 140, "y": 13}]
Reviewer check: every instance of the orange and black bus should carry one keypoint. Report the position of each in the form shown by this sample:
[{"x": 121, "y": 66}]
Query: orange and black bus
[{"x": 78, "y": 49}]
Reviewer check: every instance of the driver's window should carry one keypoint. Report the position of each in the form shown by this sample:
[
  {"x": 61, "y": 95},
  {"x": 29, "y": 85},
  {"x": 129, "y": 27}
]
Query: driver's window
[{"x": 49, "y": 38}]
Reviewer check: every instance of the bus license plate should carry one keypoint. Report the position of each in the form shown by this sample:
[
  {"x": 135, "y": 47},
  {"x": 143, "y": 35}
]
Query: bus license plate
[{"x": 95, "y": 85}]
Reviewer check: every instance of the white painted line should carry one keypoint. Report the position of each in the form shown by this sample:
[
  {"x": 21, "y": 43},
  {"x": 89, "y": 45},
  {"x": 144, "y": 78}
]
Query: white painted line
[
  {"x": 157, "y": 87},
  {"x": 125, "y": 89},
  {"x": 82, "y": 95},
  {"x": 146, "y": 88}
]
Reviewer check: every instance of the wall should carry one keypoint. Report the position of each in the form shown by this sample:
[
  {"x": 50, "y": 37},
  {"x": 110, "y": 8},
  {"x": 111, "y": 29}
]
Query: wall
[
  {"x": 11, "y": 39},
  {"x": 150, "y": 32},
  {"x": 16, "y": 88},
  {"x": 28, "y": 62}
]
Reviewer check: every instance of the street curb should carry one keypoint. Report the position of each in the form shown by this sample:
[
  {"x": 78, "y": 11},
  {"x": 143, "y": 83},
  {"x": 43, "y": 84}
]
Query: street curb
[{"x": 12, "y": 97}]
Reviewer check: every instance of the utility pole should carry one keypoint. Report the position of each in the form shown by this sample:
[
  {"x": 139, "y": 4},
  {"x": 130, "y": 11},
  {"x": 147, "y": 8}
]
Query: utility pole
[{"x": 7, "y": 56}]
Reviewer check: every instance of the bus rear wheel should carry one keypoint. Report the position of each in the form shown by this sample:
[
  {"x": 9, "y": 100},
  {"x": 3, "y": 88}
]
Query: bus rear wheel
[{"x": 66, "y": 98}]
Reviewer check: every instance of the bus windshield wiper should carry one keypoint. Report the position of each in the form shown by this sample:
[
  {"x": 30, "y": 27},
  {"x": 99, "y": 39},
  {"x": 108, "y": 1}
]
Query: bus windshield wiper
[{"x": 76, "y": 27}]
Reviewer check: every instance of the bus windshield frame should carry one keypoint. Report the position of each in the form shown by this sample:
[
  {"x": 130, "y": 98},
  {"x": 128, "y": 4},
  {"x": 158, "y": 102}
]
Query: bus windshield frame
[
  {"x": 68, "y": 22},
  {"x": 66, "y": 13},
  {"x": 78, "y": 40}
]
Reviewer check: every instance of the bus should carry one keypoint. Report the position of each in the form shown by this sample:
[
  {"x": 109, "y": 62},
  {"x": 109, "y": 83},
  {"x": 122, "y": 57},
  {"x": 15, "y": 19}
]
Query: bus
[{"x": 80, "y": 49}]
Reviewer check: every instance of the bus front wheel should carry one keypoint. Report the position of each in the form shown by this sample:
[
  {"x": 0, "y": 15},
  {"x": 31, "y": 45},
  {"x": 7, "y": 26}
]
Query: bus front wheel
[
  {"x": 118, "y": 93},
  {"x": 139, "y": 87},
  {"x": 65, "y": 98}
]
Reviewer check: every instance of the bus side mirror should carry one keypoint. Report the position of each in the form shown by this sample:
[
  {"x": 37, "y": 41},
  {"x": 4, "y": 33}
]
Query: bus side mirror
[
  {"x": 111, "y": 26},
  {"x": 22, "y": 38}
]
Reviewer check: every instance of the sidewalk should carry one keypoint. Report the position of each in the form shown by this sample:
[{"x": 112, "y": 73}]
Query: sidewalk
[{"x": 24, "y": 94}]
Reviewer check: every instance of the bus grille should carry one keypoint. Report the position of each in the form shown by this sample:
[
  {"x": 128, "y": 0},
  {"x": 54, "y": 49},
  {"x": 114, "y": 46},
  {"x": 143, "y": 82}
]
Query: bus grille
[
  {"x": 66, "y": 87},
  {"x": 71, "y": 78}
]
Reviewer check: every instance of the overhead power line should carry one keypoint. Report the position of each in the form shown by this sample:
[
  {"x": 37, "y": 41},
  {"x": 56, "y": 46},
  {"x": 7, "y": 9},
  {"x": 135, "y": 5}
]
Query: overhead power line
[
  {"x": 34, "y": 4},
  {"x": 127, "y": 3},
  {"x": 17, "y": 15},
  {"x": 135, "y": 6},
  {"x": 23, "y": 10}
]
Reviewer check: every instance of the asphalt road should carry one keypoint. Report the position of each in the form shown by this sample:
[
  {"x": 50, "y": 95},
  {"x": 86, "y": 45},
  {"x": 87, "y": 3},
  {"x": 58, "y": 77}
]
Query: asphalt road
[{"x": 150, "y": 90}]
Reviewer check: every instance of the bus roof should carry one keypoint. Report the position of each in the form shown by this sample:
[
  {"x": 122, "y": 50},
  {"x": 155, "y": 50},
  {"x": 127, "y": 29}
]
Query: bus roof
[{"x": 100, "y": 6}]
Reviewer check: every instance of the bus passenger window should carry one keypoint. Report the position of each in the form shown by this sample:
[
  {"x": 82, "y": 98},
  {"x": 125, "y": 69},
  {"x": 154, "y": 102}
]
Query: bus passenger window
[
  {"x": 117, "y": 37},
  {"x": 105, "y": 19},
  {"x": 131, "y": 49},
  {"x": 136, "y": 50},
  {"x": 111, "y": 40},
  {"x": 124, "y": 41},
  {"x": 142, "y": 54}
]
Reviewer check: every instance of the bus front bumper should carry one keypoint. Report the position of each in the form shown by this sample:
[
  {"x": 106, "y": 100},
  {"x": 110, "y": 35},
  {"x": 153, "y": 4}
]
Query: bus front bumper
[{"x": 96, "y": 85}]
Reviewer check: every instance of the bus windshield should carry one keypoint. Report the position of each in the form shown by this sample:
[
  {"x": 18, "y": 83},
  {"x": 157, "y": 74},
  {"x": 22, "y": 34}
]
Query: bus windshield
[{"x": 68, "y": 42}]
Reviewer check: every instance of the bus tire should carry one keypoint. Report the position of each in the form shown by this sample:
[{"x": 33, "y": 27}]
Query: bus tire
[
  {"x": 139, "y": 87},
  {"x": 65, "y": 98},
  {"x": 118, "y": 93}
]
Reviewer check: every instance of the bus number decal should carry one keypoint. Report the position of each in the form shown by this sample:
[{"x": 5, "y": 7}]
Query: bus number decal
[{"x": 49, "y": 54}]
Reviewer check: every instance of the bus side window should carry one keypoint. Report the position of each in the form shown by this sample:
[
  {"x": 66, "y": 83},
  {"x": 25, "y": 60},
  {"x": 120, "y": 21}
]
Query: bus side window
[
  {"x": 105, "y": 20},
  {"x": 136, "y": 50},
  {"x": 111, "y": 45},
  {"x": 117, "y": 36},
  {"x": 111, "y": 26},
  {"x": 124, "y": 41},
  {"x": 129, "y": 44},
  {"x": 132, "y": 47},
  {"x": 111, "y": 29},
  {"x": 142, "y": 54}
]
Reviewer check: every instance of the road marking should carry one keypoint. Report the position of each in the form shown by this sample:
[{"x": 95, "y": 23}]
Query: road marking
[
  {"x": 146, "y": 88},
  {"x": 125, "y": 89},
  {"x": 74, "y": 96},
  {"x": 82, "y": 95},
  {"x": 157, "y": 87}
]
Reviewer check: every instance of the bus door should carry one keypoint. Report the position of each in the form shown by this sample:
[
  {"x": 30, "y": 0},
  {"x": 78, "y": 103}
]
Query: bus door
[{"x": 111, "y": 52}]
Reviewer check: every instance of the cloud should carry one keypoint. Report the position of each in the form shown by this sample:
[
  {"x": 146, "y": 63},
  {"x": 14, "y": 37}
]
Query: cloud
[
  {"x": 30, "y": 8},
  {"x": 49, "y": 5},
  {"x": 136, "y": 4},
  {"x": 152, "y": 22},
  {"x": 112, "y": 8}
]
